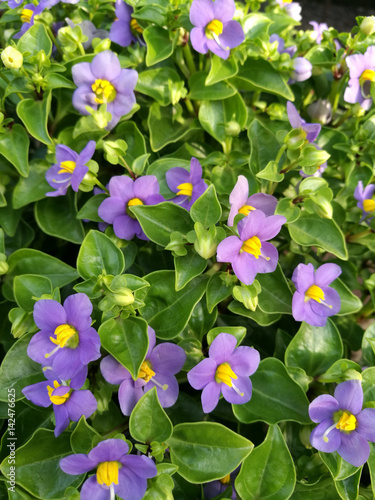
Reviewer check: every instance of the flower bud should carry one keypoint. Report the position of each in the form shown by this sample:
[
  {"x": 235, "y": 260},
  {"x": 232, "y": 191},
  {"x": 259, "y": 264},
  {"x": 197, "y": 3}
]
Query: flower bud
[
  {"x": 205, "y": 244},
  {"x": 320, "y": 111},
  {"x": 11, "y": 58},
  {"x": 4, "y": 267},
  {"x": 232, "y": 129},
  {"x": 247, "y": 295},
  {"x": 302, "y": 69},
  {"x": 22, "y": 322},
  {"x": 368, "y": 25},
  {"x": 123, "y": 297},
  {"x": 352, "y": 374}
]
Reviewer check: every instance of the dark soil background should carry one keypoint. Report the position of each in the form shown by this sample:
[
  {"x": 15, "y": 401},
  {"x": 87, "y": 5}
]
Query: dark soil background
[{"x": 337, "y": 14}]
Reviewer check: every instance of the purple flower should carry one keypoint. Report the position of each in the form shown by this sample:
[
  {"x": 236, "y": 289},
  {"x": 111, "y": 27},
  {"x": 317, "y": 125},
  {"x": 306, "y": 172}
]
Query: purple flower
[
  {"x": 343, "y": 427},
  {"x": 117, "y": 473},
  {"x": 124, "y": 30},
  {"x": 319, "y": 29},
  {"x": 27, "y": 17},
  {"x": 302, "y": 69},
  {"x": 216, "y": 488},
  {"x": 311, "y": 130},
  {"x": 364, "y": 198},
  {"x": 125, "y": 193},
  {"x": 189, "y": 186},
  {"x": 48, "y": 4},
  {"x": 314, "y": 300},
  {"x": 214, "y": 29},
  {"x": 250, "y": 253},
  {"x": 70, "y": 168},
  {"x": 293, "y": 9},
  {"x": 157, "y": 370},
  {"x": 241, "y": 203},
  {"x": 68, "y": 403},
  {"x": 66, "y": 342},
  {"x": 226, "y": 371},
  {"x": 13, "y": 4},
  {"x": 103, "y": 81},
  {"x": 362, "y": 73}
]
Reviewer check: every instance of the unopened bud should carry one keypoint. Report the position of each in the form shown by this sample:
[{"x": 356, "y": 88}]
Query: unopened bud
[
  {"x": 368, "y": 25},
  {"x": 247, "y": 295},
  {"x": 12, "y": 58},
  {"x": 123, "y": 297},
  {"x": 232, "y": 129},
  {"x": 320, "y": 111},
  {"x": 352, "y": 374},
  {"x": 205, "y": 244}
]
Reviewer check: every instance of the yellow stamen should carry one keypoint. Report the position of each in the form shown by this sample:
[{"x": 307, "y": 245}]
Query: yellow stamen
[
  {"x": 63, "y": 334},
  {"x": 215, "y": 26},
  {"x": 246, "y": 209},
  {"x": 315, "y": 293},
  {"x": 347, "y": 422},
  {"x": 225, "y": 480},
  {"x": 57, "y": 400},
  {"x": 104, "y": 90},
  {"x": 369, "y": 205},
  {"x": 367, "y": 75},
  {"x": 146, "y": 372},
  {"x": 225, "y": 374},
  {"x": 134, "y": 201},
  {"x": 107, "y": 473},
  {"x": 135, "y": 26},
  {"x": 26, "y": 15},
  {"x": 186, "y": 188},
  {"x": 67, "y": 167},
  {"x": 252, "y": 246},
  {"x": 287, "y": 1}
]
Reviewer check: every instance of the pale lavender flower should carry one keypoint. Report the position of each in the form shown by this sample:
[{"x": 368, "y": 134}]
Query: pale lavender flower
[
  {"x": 226, "y": 371},
  {"x": 189, "y": 186},
  {"x": 48, "y": 4},
  {"x": 250, "y": 253},
  {"x": 302, "y": 69},
  {"x": 241, "y": 203},
  {"x": 117, "y": 473},
  {"x": 311, "y": 130},
  {"x": 124, "y": 29},
  {"x": 70, "y": 168},
  {"x": 362, "y": 74},
  {"x": 364, "y": 196},
  {"x": 343, "y": 425},
  {"x": 293, "y": 9},
  {"x": 314, "y": 300},
  {"x": 125, "y": 193},
  {"x": 103, "y": 81},
  {"x": 157, "y": 370},
  {"x": 214, "y": 28},
  {"x": 319, "y": 29},
  {"x": 281, "y": 49}
]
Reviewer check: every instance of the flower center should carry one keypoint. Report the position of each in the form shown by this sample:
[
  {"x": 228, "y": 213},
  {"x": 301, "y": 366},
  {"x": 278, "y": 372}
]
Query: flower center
[
  {"x": 134, "y": 26},
  {"x": 347, "y": 422},
  {"x": 134, "y": 201},
  {"x": 369, "y": 205},
  {"x": 66, "y": 336},
  {"x": 367, "y": 76},
  {"x": 104, "y": 91},
  {"x": 26, "y": 15},
  {"x": 224, "y": 374},
  {"x": 252, "y": 246},
  {"x": 107, "y": 473},
  {"x": 186, "y": 189},
  {"x": 315, "y": 293},
  {"x": 145, "y": 372},
  {"x": 225, "y": 480},
  {"x": 57, "y": 400},
  {"x": 214, "y": 27},
  {"x": 246, "y": 209},
  {"x": 67, "y": 167}
]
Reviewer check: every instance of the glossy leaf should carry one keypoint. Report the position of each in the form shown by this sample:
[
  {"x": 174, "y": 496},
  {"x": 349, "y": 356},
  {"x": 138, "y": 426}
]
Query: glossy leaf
[
  {"x": 275, "y": 297},
  {"x": 14, "y": 145},
  {"x": 199, "y": 92},
  {"x": 237, "y": 331},
  {"x": 35, "y": 39},
  {"x": 32, "y": 188},
  {"x": 188, "y": 267},
  {"x": 206, "y": 209},
  {"x": 217, "y": 290},
  {"x": 27, "y": 286},
  {"x": 34, "y": 115},
  {"x": 221, "y": 69},
  {"x": 159, "y": 44},
  {"x": 155, "y": 83},
  {"x": 81, "y": 439}
]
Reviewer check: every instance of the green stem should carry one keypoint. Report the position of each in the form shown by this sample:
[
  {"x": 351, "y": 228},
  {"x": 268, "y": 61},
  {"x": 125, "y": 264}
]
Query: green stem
[
  {"x": 54, "y": 41},
  {"x": 227, "y": 145},
  {"x": 99, "y": 184},
  {"x": 81, "y": 49},
  {"x": 190, "y": 107},
  {"x": 125, "y": 164},
  {"x": 356, "y": 236},
  {"x": 180, "y": 61},
  {"x": 280, "y": 153},
  {"x": 189, "y": 58}
]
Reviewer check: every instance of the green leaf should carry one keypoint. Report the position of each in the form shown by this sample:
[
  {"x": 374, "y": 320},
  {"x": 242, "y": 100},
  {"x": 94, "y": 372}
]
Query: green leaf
[
  {"x": 259, "y": 74},
  {"x": 35, "y": 39},
  {"x": 276, "y": 397},
  {"x": 97, "y": 254},
  {"x": 320, "y": 56},
  {"x": 206, "y": 209},
  {"x": 348, "y": 488},
  {"x": 215, "y": 115},
  {"x": 188, "y": 267},
  {"x": 371, "y": 466},
  {"x": 221, "y": 69},
  {"x": 338, "y": 467},
  {"x": 314, "y": 348},
  {"x": 90, "y": 208},
  {"x": 38, "y": 470},
  {"x": 18, "y": 370},
  {"x": 338, "y": 371},
  {"x": 34, "y": 115},
  {"x": 288, "y": 209},
  {"x": 275, "y": 297},
  {"x": 159, "y": 44},
  {"x": 155, "y": 83},
  {"x": 82, "y": 437},
  {"x": 368, "y": 384},
  {"x": 59, "y": 218},
  {"x": 160, "y": 221},
  {"x": 322, "y": 490},
  {"x": 29, "y": 261},
  {"x": 200, "y": 92},
  {"x": 263, "y": 146},
  {"x": 134, "y": 139},
  {"x": 268, "y": 472},
  {"x": 237, "y": 331},
  {"x": 258, "y": 315},
  {"x": 255, "y": 24},
  {"x": 368, "y": 345},
  {"x": 217, "y": 290},
  {"x": 27, "y": 286},
  {"x": 14, "y": 145},
  {"x": 126, "y": 340},
  {"x": 148, "y": 421},
  {"x": 311, "y": 230},
  {"x": 32, "y": 188},
  {"x": 165, "y": 128},
  {"x": 9, "y": 218},
  {"x": 57, "y": 81},
  {"x": 166, "y": 310},
  {"x": 205, "y": 451},
  {"x": 350, "y": 303}
]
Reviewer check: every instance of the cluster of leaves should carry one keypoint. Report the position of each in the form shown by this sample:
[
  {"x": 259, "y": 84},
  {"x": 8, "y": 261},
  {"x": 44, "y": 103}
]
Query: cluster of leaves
[{"x": 231, "y": 115}]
